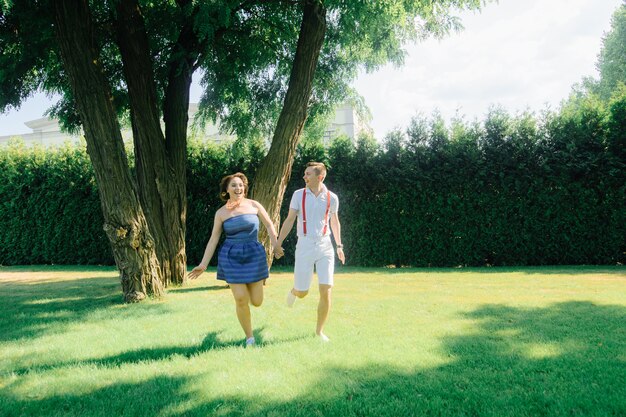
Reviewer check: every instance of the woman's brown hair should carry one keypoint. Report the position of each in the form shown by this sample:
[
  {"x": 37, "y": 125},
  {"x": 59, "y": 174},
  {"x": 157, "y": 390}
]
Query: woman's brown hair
[{"x": 226, "y": 180}]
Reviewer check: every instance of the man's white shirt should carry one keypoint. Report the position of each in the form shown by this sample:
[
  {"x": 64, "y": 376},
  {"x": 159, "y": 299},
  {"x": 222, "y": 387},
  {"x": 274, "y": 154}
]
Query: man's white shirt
[{"x": 315, "y": 211}]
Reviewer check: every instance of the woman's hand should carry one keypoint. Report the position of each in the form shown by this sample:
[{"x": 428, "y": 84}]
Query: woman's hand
[
  {"x": 278, "y": 252},
  {"x": 196, "y": 272}
]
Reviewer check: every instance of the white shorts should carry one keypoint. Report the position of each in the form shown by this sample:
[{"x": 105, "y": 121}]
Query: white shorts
[{"x": 313, "y": 253}]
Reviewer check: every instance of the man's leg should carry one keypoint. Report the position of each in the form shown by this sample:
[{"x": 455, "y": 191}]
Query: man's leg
[
  {"x": 323, "y": 309},
  {"x": 325, "y": 267},
  {"x": 302, "y": 272}
]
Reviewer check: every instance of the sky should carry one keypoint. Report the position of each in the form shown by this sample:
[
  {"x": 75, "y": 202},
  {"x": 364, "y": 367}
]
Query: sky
[{"x": 520, "y": 55}]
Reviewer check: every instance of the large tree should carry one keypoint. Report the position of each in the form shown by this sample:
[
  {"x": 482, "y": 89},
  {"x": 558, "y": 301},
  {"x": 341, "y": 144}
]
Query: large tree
[
  {"x": 611, "y": 62},
  {"x": 612, "y": 59},
  {"x": 266, "y": 66},
  {"x": 125, "y": 223}
]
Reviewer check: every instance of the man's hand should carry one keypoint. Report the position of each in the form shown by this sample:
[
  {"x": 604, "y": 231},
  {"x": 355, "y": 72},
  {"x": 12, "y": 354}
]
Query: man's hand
[
  {"x": 341, "y": 255},
  {"x": 196, "y": 272},
  {"x": 279, "y": 252}
]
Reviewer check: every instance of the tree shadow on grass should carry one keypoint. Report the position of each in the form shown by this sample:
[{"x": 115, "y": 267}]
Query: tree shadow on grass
[
  {"x": 563, "y": 360},
  {"x": 183, "y": 290},
  {"x": 129, "y": 357},
  {"x": 30, "y": 307},
  {"x": 30, "y": 310},
  {"x": 212, "y": 341}
]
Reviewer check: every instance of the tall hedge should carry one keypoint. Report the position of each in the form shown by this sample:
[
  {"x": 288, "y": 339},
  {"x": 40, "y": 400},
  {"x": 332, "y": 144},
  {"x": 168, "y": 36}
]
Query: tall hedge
[
  {"x": 49, "y": 208},
  {"x": 521, "y": 190}
]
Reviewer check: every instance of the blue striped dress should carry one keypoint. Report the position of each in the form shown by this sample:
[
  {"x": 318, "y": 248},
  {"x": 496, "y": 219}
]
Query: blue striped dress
[{"x": 241, "y": 259}]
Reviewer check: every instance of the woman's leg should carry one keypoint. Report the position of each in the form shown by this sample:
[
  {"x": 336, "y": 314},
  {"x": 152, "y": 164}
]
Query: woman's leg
[
  {"x": 242, "y": 298},
  {"x": 255, "y": 290}
]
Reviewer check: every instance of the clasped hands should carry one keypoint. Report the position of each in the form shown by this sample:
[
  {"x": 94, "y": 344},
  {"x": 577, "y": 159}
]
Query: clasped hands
[{"x": 279, "y": 252}]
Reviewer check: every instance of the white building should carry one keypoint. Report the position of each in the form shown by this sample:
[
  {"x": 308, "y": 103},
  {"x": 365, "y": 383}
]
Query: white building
[
  {"x": 47, "y": 132},
  {"x": 346, "y": 122}
]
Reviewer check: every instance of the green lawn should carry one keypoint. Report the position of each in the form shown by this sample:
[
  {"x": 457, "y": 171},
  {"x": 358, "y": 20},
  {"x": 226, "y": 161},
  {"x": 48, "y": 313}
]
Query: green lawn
[{"x": 404, "y": 342}]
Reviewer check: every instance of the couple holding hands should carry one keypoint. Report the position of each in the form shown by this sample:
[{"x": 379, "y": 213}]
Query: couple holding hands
[{"x": 241, "y": 259}]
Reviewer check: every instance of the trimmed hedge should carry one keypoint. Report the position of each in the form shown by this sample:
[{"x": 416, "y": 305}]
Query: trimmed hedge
[{"x": 510, "y": 191}]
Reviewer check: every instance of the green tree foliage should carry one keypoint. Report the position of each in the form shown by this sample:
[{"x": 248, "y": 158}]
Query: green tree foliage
[
  {"x": 611, "y": 63},
  {"x": 244, "y": 49},
  {"x": 142, "y": 55},
  {"x": 612, "y": 60}
]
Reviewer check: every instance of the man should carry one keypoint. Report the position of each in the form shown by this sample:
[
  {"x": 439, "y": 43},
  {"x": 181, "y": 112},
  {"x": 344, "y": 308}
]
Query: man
[{"x": 315, "y": 208}]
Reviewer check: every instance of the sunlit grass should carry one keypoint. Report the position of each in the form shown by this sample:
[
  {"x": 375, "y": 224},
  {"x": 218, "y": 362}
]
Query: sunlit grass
[{"x": 516, "y": 341}]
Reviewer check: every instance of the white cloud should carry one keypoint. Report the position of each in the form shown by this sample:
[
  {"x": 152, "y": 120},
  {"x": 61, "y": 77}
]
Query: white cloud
[{"x": 521, "y": 55}]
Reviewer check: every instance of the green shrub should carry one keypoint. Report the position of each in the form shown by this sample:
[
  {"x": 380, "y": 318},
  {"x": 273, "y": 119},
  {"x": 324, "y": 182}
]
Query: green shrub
[{"x": 510, "y": 191}]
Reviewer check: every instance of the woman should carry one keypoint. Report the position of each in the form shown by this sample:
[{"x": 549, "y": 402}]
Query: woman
[{"x": 241, "y": 260}]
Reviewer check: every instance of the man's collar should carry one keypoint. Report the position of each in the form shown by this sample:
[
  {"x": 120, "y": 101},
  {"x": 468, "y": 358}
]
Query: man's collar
[{"x": 322, "y": 191}]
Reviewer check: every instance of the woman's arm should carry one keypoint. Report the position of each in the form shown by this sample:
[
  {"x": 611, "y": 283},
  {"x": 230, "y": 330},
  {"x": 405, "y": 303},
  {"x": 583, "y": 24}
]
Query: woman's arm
[
  {"x": 210, "y": 248},
  {"x": 265, "y": 219}
]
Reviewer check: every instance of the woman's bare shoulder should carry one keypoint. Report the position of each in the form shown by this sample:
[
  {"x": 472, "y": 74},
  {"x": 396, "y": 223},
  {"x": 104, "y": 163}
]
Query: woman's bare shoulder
[{"x": 221, "y": 212}]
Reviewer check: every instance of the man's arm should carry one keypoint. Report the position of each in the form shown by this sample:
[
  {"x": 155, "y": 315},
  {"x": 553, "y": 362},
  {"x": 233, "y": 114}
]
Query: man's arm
[{"x": 335, "y": 226}]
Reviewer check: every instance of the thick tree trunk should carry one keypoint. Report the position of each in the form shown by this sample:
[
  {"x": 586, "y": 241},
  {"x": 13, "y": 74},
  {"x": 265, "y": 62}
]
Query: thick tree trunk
[
  {"x": 273, "y": 175},
  {"x": 161, "y": 180},
  {"x": 125, "y": 224},
  {"x": 176, "y": 109}
]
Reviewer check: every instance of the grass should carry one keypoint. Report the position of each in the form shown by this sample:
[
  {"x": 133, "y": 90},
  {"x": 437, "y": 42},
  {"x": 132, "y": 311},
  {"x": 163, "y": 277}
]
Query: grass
[{"x": 405, "y": 342}]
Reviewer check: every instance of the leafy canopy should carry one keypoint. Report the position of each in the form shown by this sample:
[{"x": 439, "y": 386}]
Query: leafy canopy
[{"x": 244, "y": 50}]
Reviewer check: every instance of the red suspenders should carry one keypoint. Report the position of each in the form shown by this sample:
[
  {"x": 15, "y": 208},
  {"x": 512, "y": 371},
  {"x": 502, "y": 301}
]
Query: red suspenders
[
  {"x": 304, "y": 211},
  {"x": 325, "y": 215}
]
